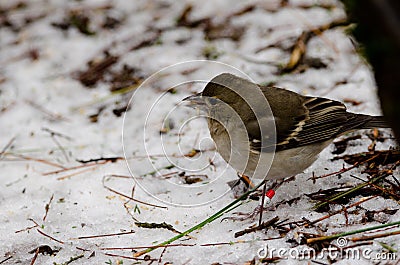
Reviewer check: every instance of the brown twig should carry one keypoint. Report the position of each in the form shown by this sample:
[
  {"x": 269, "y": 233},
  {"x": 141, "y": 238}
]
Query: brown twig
[
  {"x": 5, "y": 148},
  {"x": 83, "y": 249},
  {"x": 34, "y": 257},
  {"x": 129, "y": 197},
  {"x": 161, "y": 255},
  {"x": 52, "y": 238},
  {"x": 74, "y": 167},
  {"x": 4, "y": 260},
  {"x": 86, "y": 163},
  {"x": 237, "y": 242},
  {"x": 362, "y": 230},
  {"x": 341, "y": 210},
  {"x": 76, "y": 173},
  {"x": 141, "y": 247},
  {"x": 343, "y": 170},
  {"x": 259, "y": 227},
  {"x": 104, "y": 235},
  {"x": 363, "y": 238},
  {"x": 272, "y": 259},
  {"x": 47, "y": 207},
  {"x": 146, "y": 258},
  {"x": 28, "y": 228},
  {"x": 38, "y": 160},
  {"x": 72, "y": 259},
  {"x": 126, "y": 204},
  {"x": 386, "y": 191}
]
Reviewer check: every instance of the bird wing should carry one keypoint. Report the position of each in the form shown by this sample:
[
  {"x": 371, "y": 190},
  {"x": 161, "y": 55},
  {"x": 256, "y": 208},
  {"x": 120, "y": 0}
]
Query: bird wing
[{"x": 300, "y": 120}]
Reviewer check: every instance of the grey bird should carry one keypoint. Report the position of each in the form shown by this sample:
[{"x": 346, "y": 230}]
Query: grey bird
[{"x": 268, "y": 132}]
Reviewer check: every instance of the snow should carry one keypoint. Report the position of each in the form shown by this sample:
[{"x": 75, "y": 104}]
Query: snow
[{"x": 41, "y": 96}]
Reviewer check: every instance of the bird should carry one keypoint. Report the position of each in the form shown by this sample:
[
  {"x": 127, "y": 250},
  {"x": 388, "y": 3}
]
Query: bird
[{"x": 270, "y": 133}]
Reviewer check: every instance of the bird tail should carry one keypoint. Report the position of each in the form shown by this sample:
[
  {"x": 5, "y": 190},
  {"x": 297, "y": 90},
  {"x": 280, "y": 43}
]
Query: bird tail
[
  {"x": 374, "y": 122},
  {"x": 361, "y": 121}
]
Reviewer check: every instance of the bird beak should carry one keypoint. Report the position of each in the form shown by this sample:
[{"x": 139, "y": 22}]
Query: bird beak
[{"x": 195, "y": 101}]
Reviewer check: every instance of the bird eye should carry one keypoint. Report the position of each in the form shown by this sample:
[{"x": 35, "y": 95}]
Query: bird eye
[{"x": 213, "y": 100}]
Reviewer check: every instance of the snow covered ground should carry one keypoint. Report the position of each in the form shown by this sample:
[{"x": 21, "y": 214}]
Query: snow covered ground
[{"x": 71, "y": 158}]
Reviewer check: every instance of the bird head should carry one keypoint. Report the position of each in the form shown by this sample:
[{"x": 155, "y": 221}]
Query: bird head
[{"x": 216, "y": 94}]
